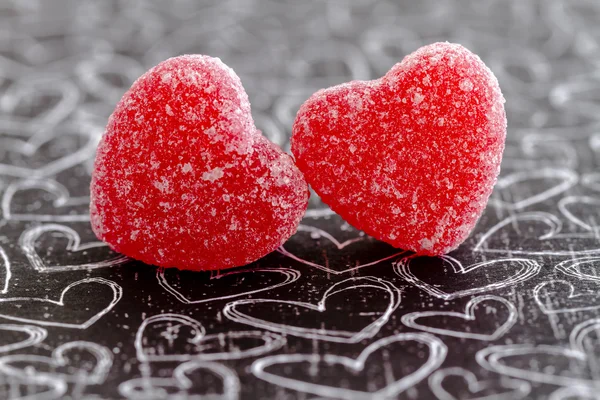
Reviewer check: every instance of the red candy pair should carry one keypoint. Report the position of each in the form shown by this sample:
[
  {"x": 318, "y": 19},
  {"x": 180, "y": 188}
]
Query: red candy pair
[{"x": 184, "y": 179}]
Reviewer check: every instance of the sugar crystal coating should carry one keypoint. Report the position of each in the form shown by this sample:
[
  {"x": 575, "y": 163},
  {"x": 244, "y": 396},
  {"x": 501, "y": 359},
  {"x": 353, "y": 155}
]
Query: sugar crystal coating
[
  {"x": 410, "y": 158},
  {"x": 182, "y": 177}
]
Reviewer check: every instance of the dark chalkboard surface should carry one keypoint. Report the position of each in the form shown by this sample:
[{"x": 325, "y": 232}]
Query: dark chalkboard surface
[{"x": 512, "y": 314}]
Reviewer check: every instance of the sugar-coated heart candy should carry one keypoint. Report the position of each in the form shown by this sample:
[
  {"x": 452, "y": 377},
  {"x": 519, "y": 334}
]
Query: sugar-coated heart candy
[
  {"x": 182, "y": 177},
  {"x": 410, "y": 158}
]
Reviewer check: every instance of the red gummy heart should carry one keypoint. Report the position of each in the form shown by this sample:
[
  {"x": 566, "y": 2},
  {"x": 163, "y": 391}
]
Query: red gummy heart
[
  {"x": 410, "y": 158},
  {"x": 183, "y": 178}
]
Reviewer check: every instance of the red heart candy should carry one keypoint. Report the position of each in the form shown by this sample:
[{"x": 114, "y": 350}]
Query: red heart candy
[
  {"x": 410, "y": 158},
  {"x": 183, "y": 178}
]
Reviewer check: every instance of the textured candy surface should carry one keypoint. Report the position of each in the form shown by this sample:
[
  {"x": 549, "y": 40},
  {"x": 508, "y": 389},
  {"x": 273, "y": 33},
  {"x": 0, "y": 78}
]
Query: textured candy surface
[
  {"x": 182, "y": 177},
  {"x": 410, "y": 158}
]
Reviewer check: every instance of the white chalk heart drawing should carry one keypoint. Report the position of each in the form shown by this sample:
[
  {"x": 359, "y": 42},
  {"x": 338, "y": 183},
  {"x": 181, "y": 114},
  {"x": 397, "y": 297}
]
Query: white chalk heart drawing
[
  {"x": 86, "y": 132},
  {"x": 332, "y": 250},
  {"x": 30, "y": 237},
  {"x": 577, "y": 268},
  {"x": 61, "y": 366},
  {"x": 90, "y": 74},
  {"x": 523, "y": 269},
  {"x": 250, "y": 280},
  {"x": 466, "y": 320},
  {"x": 78, "y": 312},
  {"x": 538, "y": 363},
  {"x": 574, "y": 393},
  {"x": 27, "y": 90},
  {"x": 547, "y": 241},
  {"x": 174, "y": 337},
  {"x": 280, "y": 322},
  {"x": 5, "y": 266},
  {"x": 184, "y": 383},
  {"x": 472, "y": 388},
  {"x": 558, "y": 296},
  {"x": 505, "y": 187},
  {"x": 273, "y": 369},
  {"x": 590, "y": 204},
  {"x": 33, "y": 335},
  {"x": 64, "y": 207},
  {"x": 51, "y": 389}
]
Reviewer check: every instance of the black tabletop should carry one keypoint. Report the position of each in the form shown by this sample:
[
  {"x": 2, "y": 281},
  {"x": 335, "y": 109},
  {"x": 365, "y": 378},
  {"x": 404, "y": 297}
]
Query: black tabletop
[{"x": 513, "y": 313}]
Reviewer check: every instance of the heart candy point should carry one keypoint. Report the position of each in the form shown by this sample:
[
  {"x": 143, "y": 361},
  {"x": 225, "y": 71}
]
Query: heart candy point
[
  {"x": 410, "y": 158},
  {"x": 183, "y": 178}
]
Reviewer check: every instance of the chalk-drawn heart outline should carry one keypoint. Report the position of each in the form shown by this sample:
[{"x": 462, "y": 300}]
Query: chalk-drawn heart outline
[
  {"x": 117, "y": 294},
  {"x": 574, "y": 392},
  {"x": 516, "y": 386},
  {"x": 103, "y": 357},
  {"x": 272, "y": 342},
  {"x": 489, "y": 358},
  {"x": 528, "y": 269},
  {"x": 291, "y": 275},
  {"x": 369, "y": 331},
  {"x": 570, "y": 295},
  {"x": 569, "y": 267},
  {"x": 469, "y": 315},
  {"x": 69, "y": 97},
  {"x": 569, "y": 179},
  {"x": 55, "y": 389},
  {"x": 338, "y": 244},
  {"x": 231, "y": 384},
  {"x": 31, "y": 235},
  {"x": 89, "y": 73},
  {"x": 437, "y": 354},
  {"x": 552, "y": 222},
  {"x": 35, "y": 335},
  {"x": 62, "y": 198},
  {"x": 7, "y": 271},
  {"x": 60, "y": 164},
  {"x": 588, "y": 200}
]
